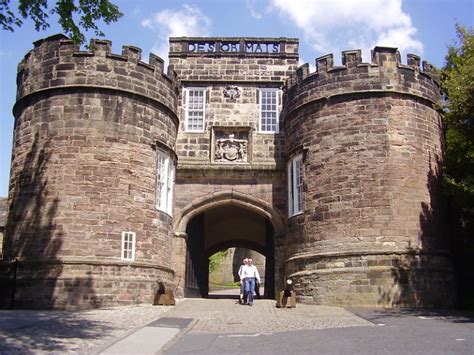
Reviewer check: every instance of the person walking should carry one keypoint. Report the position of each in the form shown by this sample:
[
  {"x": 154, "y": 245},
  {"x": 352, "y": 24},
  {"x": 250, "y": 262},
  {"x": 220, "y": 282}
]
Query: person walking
[
  {"x": 249, "y": 276},
  {"x": 242, "y": 285}
]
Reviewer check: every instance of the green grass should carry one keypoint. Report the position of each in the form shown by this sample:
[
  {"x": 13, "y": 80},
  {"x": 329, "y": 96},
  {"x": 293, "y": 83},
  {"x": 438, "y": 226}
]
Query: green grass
[{"x": 226, "y": 285}]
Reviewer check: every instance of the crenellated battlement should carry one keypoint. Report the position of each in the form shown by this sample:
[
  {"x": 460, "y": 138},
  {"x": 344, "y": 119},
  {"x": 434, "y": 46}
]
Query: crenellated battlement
[
  {"x": 384, "y": 73},
  {"x": 381, "y": 57},
  {"x": 57, "y": 62}
]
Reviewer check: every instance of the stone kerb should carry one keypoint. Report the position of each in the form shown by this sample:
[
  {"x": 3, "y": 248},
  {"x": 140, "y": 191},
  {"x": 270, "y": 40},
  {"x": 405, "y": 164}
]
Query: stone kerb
[
  {"x": 56, "y": 62},
  {"x": 385, "y": 73}
]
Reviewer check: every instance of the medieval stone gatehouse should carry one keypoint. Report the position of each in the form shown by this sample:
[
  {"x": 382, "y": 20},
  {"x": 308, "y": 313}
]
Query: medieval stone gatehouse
[{"x": 124, "y": 177}]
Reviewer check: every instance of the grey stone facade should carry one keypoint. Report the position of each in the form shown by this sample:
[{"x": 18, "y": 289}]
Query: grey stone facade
[{"x": 84, "y": 171}]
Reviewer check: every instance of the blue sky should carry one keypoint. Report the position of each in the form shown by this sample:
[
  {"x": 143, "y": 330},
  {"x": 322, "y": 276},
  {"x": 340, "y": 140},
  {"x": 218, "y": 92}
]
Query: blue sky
[{"x": 423, "y": 27}]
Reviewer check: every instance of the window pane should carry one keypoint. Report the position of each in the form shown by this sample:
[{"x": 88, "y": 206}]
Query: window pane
[
  {"x": 164, "y": 182},
  {"x": 295, "y": 185},
  {"x": 299, "y": 185},
  {"x": 195, "y": 109},
  {"x": 161, "y": 177},
  {"x": 128, "y": 245},
  {"x": 269, "y": 111}
]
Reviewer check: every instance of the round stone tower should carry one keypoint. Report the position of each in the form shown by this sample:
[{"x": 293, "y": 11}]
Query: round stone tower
[
  {"x": 371, "y": 230},
  {"x": 82, "y": 204}
]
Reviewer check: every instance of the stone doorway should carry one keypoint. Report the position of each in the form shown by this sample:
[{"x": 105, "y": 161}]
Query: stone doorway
[{"x": 219, "y": 228}]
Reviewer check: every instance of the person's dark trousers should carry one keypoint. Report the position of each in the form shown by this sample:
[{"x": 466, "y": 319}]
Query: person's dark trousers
[
  {"x": 257, "y": 289},
  {"x": 249, "y": 289},
  {"x": 242, "y": 293}
]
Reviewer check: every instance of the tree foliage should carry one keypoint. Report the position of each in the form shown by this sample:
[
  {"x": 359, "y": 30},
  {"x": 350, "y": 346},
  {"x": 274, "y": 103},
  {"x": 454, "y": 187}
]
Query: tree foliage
[
  {"x": 75, "y": 16},
  {"x": 215, "y": 260},
  {"x": 458, "y": 89}
]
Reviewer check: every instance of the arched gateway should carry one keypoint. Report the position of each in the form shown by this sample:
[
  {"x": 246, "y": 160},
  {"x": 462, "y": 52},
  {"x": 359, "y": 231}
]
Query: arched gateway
[{"x": 219, "y": 221}]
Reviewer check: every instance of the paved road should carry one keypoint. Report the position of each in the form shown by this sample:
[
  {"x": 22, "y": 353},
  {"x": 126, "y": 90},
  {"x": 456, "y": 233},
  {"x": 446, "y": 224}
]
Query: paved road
[
  {"x": 222, "y": 326},
  {"x": 81, "y": 332},
  {"x": 389, "y": 332},
  {"x": 227, "y": 316}
]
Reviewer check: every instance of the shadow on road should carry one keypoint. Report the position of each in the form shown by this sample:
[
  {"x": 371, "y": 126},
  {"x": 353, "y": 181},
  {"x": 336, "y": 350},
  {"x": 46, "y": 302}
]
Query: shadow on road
[
  {"x": 28, "y": 332},
  {"x": 228, "y": 293},
  {"x": 453, "y": 316}
]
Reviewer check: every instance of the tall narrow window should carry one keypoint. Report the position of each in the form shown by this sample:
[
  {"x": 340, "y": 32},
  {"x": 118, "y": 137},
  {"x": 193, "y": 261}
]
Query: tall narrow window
[
  {"x": 164, "y": 182},
  {"x": 128, "y": 246},
  {"x": 195, "y": 104},
  {"x": 268, "y": 99},
  {"x": 295, "y": 185}
]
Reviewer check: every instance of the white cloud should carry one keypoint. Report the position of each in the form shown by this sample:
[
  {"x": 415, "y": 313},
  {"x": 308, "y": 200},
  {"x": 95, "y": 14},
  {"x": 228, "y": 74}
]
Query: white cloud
[
  {"x": 251, "y": 6},
  {"x": 336, "y": 25},
  {"x": 187, "y": 21}
]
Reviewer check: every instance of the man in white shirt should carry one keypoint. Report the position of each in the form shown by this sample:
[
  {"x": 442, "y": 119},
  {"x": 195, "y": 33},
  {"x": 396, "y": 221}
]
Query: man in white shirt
[{"x": 249, "y": 274}]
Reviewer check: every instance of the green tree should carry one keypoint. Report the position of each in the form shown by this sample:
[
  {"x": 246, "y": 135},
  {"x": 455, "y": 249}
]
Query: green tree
[
  {"x": 457, "y": 83},
  {"x": 215, "y": 260},
  {"x": 458, "y": 88},
  {"x": 74, "y": 15}
]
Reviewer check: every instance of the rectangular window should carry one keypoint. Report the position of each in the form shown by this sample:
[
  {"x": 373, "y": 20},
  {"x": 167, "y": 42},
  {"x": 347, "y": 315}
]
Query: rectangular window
[
  {"x": 128, "y": 246},
  {"x": 164, "y": 182},
  {"x": 295, "y": 185},
  {"x": 195, "y": 104},
  {"x": 269, "y": 110}
]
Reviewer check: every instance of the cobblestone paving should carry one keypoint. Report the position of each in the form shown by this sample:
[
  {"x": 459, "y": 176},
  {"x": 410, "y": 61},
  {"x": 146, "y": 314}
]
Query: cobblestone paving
[
  {"x": 227, "y": 316},
  {"x": 86, "y": 332},
  {"x": 81, "y": 332}
]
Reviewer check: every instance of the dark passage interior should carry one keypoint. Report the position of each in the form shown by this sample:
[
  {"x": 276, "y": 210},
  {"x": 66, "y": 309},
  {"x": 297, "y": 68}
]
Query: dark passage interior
[{"x": 221, "y": 228}]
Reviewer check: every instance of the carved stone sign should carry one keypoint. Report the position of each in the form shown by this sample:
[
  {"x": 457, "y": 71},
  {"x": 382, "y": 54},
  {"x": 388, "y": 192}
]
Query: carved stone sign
[
  {"x": 229, "y": 47},
  {"x": 231, "y": 147}
]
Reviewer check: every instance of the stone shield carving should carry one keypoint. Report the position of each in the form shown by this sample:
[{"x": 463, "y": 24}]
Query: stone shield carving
[
  {"x": 230, "y": 149},
  {"x": 232, "y": 92}
]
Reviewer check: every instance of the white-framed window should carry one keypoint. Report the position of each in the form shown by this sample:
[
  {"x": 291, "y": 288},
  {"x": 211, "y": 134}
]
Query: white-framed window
[
  {"x": 165, "y": 172},
  {"x": 295, "y": 185},
  {"x": 269, "y": 110},
  {"x": 128, "y": 245},
  {"x": 195, "y": 109}
]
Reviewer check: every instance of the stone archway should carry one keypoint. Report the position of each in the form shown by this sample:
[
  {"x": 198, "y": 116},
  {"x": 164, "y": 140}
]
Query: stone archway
[
  {"x": 223, "y": 198},
  {"x": 199, "y": 229}
]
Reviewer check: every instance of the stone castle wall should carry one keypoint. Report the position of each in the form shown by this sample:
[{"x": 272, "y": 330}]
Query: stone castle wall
[
  {"x": 198, "y": 174},
  {"x": 247, "y": 72},
  {"x": 371, "y": 232},
  {"x": 83, "y": 171}
]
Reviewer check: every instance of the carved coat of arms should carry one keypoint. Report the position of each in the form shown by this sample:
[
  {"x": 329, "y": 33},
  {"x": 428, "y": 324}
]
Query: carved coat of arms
[
  {"x": 230, "y": 150},
  {"x": 232, "y": 92}
]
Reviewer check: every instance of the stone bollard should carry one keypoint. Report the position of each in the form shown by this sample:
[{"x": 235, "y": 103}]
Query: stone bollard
[
  {"x": 163, "y": 296},
  {"x": 287, "y": 298}
]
